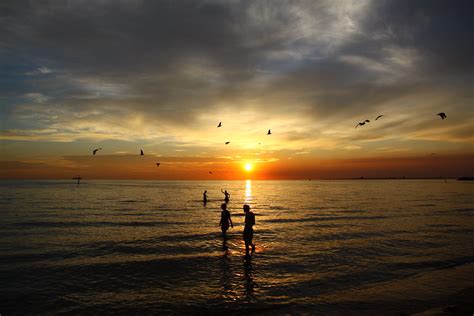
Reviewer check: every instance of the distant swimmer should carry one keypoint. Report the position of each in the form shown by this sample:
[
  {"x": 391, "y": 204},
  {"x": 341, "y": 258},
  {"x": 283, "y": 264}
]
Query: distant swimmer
[
  {"x": 96, "y": 150},
  {"x": 220, "y": 124},
  {"x": 225, "y": 220},
  {"x": 141, "y": 152},
  {"x": 227, "y": 196},
  {"x": 204, "y": 197},
  {"x": 248, "y": 230},
  {"x": 379, "y": 117},
  {"x": 227, "y": 143},
  {"x": 442, "y": 115},
  {"x": 157, "y": 164},
  {"x": 269, "y": 132}
]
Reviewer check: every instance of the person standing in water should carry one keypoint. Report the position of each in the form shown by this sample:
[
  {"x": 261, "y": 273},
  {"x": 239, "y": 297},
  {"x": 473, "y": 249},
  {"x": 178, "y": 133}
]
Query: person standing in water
[
  {"x": 227, "y": 196},
  {"x": 248, "y": 229},
  {"x": 225, "y": 220},
  {"x": 204, "y": 197}
]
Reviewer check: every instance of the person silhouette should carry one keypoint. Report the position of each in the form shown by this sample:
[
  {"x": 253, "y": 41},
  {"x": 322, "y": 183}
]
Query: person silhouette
[
  {"x": 227, "y": 196},
  {"x": 225, "y": 220},
  {"x": 248, "y": 229},
  {"x": 204, "y": 197}
]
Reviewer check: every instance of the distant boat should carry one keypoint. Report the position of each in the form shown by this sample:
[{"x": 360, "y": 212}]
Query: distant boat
[
  {"x": 78, "y": 178},
  {"x": 466, "y": 179}
]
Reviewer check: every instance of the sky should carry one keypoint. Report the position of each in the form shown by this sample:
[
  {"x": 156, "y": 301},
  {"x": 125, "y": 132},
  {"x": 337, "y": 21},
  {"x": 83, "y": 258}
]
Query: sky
[{"x": 160, "y": 75}]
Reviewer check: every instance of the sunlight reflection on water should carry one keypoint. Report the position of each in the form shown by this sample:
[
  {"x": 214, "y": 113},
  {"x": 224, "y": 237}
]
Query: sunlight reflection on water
[{"x": 248, "y": 191}]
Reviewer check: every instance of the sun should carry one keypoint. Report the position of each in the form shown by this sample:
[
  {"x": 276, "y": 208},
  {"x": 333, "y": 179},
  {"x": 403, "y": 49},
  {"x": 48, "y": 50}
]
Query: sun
[{"x": 248, "y": 167}]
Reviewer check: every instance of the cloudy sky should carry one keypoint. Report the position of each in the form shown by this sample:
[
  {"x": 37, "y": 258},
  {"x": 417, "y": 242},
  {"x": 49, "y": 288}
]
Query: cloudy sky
[{"x": 160, "y": 75}]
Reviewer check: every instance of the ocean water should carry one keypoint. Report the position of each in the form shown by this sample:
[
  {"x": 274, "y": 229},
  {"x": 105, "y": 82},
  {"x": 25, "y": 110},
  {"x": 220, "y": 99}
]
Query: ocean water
[{"x": 152, "y": 247}]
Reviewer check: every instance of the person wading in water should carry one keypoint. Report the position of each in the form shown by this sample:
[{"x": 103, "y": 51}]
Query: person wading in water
[
  {"x": 248, "y": 230},
  {"x": 225, "y": 220},
  {"x": 227, "y": 196}
]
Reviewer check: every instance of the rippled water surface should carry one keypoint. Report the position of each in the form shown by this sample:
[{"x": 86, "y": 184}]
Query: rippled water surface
[{"x": 152, "y": 247}]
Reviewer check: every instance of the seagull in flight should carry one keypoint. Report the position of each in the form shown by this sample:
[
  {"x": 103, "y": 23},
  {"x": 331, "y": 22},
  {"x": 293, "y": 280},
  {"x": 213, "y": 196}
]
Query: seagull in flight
[
  {"x": 220, "y": 124},
  {"x": 379, "y": 117},
  {"x": 361, "y": 123},
  {"x": 442, "y": 115},
  {"x": 269, "y": 132},
  {"x": 141, "y": 152},
  {"x": 227, "y": 143},
  {"x": 96, "y": 150}
]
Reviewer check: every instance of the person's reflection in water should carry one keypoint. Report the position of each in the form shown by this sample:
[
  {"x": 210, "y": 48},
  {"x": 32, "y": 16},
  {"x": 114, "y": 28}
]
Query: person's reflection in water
[
  {"x": 226, "y": 278},
  {"x": 249, "y": 284},
  {"x": 225, "y": 248}
]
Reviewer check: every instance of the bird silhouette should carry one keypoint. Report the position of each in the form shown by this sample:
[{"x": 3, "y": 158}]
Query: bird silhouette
[
  {"x": 442, "y": 115},
  {"x": 220, "y": 124},
  {"x": 367, "y": 121},
  {"x": 96, "y": 150},
  {"x": 157, "y": 164},
  {"x": 360, "y": 124},
  {"x": 379, "y": 117},
  {"x": 227, "y": 143},
  {"x": 269, "y": 132},
  {"x": 141, "y": 152}
]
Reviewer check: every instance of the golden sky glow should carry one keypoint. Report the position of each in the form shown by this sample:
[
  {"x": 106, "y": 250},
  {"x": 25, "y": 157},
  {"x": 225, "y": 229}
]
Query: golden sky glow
[{"x": 307, "y": 71}]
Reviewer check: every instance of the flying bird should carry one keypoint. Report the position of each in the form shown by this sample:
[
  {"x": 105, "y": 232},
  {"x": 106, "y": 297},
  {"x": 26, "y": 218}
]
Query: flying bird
[
  {"x": 96, "y": 150},
  {"x": 141, "y": 152},
  {"x": 360, "y": 124},
  {"x": 227, "y": 143},
  {"x": 157, "y": 164},
  {"x": 220, "y": 124},
  {"x": 367, "y": 121},
  {"x": 442, "y": 115},
  {"x": 269, "y": 132},
  {"x": 379, "y": 117}
]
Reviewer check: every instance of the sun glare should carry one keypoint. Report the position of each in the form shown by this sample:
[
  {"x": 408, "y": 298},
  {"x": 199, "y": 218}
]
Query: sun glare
[{"x": 248, "y": 167}]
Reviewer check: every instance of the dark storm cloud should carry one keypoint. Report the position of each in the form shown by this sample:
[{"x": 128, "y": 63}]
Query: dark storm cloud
[
  {"x": 440, "y": 30},
  {"x": 172, "y": 61}
]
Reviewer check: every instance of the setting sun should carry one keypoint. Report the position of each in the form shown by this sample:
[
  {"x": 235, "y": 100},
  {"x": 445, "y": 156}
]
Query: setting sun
[{"x": 248, "y": 167}]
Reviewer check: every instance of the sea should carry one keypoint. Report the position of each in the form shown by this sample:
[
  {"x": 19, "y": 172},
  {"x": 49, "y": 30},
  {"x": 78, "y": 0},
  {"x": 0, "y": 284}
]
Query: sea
[{"x": 324, "y": 247}]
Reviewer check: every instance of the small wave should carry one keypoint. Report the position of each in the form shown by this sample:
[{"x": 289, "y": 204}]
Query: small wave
[
  {"x": 462, "y": 210},
  {"x": 134, "y": 201},
  {"x": 321, "y": 219},
  {"x": 93, "y": 224}
]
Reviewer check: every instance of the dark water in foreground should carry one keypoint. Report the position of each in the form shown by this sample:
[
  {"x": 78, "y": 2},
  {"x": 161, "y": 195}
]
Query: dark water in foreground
[{"x": 151, "y": 247}]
